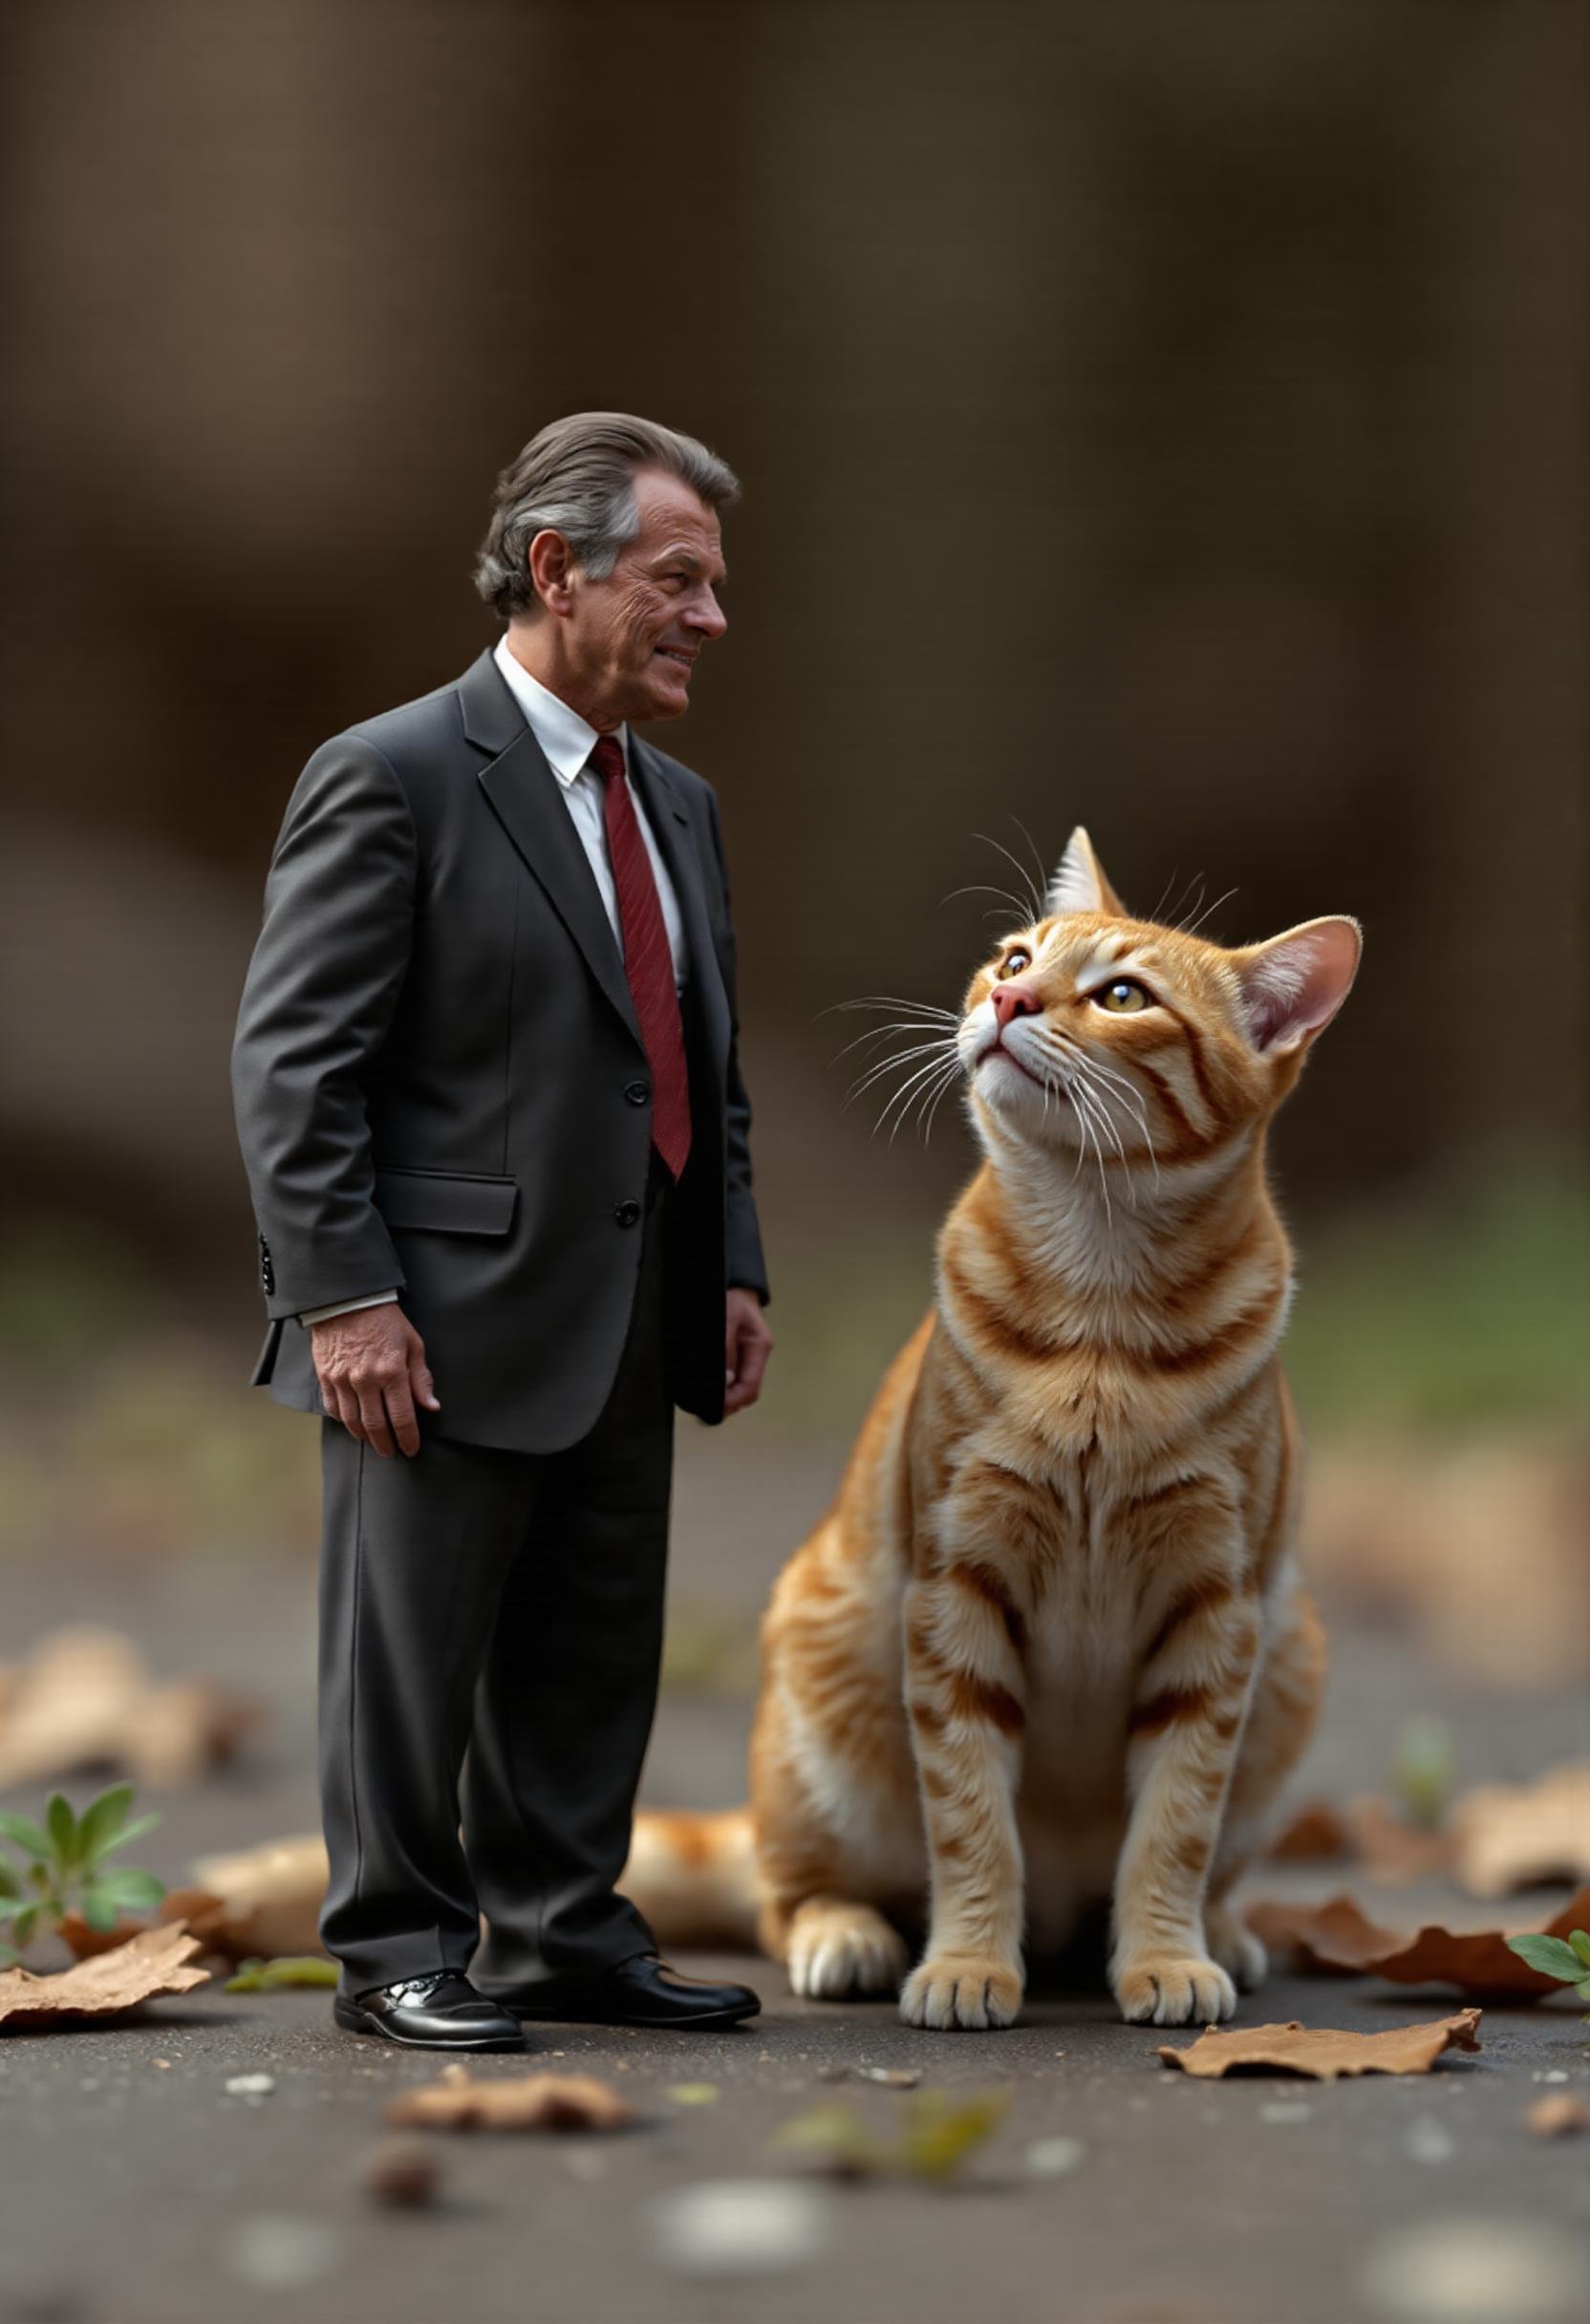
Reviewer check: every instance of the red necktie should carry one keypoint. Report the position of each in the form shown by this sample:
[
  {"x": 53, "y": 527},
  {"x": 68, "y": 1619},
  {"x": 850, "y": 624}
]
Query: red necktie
[{"x": 648, "y": 959}]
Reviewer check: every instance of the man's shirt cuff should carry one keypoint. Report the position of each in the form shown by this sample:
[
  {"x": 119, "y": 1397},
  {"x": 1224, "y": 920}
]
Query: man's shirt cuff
[{"x": 318, "y": 1315}]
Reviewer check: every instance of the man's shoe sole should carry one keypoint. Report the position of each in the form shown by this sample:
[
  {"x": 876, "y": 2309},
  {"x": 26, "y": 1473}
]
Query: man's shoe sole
[
  {"x": 537, "y": 2012},
  {"x": 354, "y": 2020}
]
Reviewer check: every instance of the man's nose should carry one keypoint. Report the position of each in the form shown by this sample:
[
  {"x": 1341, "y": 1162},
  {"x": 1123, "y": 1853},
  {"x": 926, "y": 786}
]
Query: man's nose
[
  {"x": 707, "y": 615},
  {"x": 1014, "y": 998}
]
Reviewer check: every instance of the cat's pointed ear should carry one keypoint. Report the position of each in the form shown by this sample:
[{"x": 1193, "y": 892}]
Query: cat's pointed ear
[
  {"x": 1079, "y": 883},
  {"x": 1293, "y": 986}
]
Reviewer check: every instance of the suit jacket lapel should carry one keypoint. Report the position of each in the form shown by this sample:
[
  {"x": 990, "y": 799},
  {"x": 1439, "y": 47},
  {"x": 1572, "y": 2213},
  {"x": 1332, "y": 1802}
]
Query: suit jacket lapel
[
  {"x": 524, "y": 794},
  {"x": 670, "y": 824}
]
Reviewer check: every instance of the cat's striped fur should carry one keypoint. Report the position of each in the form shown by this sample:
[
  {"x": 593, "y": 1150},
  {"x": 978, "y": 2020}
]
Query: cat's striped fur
[{"x": 1049, "y": 1645}]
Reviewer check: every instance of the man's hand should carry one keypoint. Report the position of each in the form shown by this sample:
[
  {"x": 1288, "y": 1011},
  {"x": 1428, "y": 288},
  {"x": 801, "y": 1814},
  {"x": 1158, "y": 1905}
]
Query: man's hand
[
  {"x": 746, "y": 1348},
  {"x": 372, "y": 1373}
]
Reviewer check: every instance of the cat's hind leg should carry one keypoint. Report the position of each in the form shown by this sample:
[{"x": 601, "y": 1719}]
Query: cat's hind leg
[
  {"x": 839, "y": 1948},
  {"x": 1286, "y": 1705}
]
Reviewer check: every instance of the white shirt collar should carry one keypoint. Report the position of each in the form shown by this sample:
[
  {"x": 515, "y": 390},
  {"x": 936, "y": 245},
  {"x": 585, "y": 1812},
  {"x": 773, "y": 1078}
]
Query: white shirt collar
[{"x": 566, "y": 740}]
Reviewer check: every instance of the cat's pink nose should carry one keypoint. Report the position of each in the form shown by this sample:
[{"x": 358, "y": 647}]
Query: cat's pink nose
[{"x": 1014, "y": 998}]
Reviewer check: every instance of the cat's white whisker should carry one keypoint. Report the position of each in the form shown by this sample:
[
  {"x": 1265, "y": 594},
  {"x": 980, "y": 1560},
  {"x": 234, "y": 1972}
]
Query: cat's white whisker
[
  {"x": 927, "y": 1103},
  {"x": 982, "y": 887},
  {"x": 932, "y": 1049},
  {"x": 881, "y": 1032},
  {"x": 1203, "y": 915},
  {"x": 922, "y": 1073},
  {"x": 1038, "y": 910}
]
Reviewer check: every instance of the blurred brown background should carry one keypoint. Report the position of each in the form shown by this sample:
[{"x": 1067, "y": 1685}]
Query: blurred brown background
[{"x": 1169, "y": 415}]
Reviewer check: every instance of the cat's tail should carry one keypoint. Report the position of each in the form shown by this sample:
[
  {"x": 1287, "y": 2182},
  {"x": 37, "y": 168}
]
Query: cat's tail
[{"x": 694, "y": 1878}]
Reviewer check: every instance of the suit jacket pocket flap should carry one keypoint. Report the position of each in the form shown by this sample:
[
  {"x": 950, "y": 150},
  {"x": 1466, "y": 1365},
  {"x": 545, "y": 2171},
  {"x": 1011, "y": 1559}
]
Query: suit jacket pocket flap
[{"x": 448, "y": 1202}]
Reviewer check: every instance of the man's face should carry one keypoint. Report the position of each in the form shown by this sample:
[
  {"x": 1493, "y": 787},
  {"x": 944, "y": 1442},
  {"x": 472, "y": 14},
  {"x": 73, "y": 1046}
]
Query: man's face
[{"x": 632, "y": 638}]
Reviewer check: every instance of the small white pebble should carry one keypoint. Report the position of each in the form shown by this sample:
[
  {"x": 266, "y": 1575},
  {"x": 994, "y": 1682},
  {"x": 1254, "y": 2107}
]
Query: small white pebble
[
  {"x": 1554, "y": 2075},
  {"x": 1427, "y": 2141},
  {"x": 280, "y": 2252},
  {"x": 739, "y": 2226},
  {"x": 250, "y": 2086},
  {"x": 1053, "y": 2158},
  {"x": 1467, "y": 2269}
]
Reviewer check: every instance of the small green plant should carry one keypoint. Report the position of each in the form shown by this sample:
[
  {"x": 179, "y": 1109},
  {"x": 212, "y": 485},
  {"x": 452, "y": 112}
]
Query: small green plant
[
  {"x": 1567, "y": 1959},
  {"x": 940, "y": 2131},
  {"x": 66, "y": 1870},
  {"x": 1423, "y": 1768},
  {"x": 256, "y": 1976}
]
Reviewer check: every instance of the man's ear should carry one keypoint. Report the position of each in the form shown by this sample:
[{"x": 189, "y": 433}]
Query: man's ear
[
  {"x": 1293, "y": 986},
  {"x": 1079, "y": 883},
  {"x": 551, "y": 563}
]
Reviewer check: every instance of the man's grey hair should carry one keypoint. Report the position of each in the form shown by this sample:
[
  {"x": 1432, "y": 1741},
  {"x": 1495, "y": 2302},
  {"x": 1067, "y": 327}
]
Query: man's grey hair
[{"x": 577, "y": 478}]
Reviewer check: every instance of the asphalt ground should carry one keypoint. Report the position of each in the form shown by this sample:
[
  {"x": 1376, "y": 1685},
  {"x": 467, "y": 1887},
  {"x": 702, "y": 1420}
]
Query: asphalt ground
[{"x": 134, "y": 2189}]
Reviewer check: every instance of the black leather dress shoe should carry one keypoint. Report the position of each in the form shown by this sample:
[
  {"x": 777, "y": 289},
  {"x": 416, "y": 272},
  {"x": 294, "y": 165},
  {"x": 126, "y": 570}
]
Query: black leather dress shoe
[
  {"x": 442, "y": 2010},
  {"x": 640, "y": 1992}
]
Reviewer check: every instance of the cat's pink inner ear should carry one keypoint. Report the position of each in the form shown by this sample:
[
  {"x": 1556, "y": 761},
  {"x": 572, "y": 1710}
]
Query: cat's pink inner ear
[
  {"x": 1079, "y": 883},
  {"x": 1293, "y": 986}
]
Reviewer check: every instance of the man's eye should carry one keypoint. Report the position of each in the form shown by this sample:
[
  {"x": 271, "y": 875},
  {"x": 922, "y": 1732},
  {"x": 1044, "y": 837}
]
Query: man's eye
[
  {"x": 1014, "y": 962},
  {"x": 1123, "y": 997}
]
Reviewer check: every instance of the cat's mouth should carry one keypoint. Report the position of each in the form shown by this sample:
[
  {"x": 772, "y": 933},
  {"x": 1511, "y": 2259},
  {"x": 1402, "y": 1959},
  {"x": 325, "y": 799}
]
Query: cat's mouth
[{"x": 997, "y": 1048}]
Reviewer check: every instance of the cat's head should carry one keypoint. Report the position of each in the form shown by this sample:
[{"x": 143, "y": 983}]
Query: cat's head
[{"x": 1098, "y": 1033}]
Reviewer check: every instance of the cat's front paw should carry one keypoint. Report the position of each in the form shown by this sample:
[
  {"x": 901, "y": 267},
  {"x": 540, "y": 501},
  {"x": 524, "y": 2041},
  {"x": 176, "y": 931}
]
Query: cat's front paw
[
  {"x": 838, "y": 1949},
  {"x": 1172, "y": 1989},
  {"x": 953, "y": 1989}
]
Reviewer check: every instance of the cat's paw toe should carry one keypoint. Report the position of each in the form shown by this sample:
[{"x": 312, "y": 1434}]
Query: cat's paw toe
[
  {"x": 1173, "y": 1989},
  {"x": 952, "y": 1989},
  {"x": 1231, "y": 1943},
  {"x": 838, "y": 1951}
]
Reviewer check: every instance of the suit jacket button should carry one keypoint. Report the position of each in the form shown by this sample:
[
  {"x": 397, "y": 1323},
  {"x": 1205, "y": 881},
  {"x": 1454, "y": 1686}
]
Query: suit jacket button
[
  {"x": 637, "y": 1093},
  {"x": 628, "y": 1213}
]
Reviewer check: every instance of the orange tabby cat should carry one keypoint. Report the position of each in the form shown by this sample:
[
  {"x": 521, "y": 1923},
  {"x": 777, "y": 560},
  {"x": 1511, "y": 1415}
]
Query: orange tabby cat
[{"x": 1049, "y": 1645}]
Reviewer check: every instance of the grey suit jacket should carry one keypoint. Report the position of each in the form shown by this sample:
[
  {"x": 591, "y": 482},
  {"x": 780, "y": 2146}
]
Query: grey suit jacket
[{"x": 439, "y": 1083}]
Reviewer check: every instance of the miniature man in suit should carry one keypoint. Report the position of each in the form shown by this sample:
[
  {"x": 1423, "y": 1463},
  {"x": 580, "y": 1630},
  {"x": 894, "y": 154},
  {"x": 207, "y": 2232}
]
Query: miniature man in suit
[{"x": 496, "y": 1135}]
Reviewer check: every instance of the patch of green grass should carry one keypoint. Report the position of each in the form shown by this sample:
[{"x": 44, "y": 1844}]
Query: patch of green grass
[{"x": 1462, "y": 1305}]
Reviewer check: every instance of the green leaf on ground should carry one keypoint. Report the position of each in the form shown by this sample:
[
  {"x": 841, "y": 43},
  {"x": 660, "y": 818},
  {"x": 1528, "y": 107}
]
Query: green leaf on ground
[
  {"x": 943, "y": 2131},
  {"x": 286, "y": 1970},
  {"x": 103, "y": 1820},
  {"x": 26, "y": 1836},
  {"x": 1550, "y": 1955},
  {"x": 130, "y": 1891},
  {"x": 61, "y": 1824}
]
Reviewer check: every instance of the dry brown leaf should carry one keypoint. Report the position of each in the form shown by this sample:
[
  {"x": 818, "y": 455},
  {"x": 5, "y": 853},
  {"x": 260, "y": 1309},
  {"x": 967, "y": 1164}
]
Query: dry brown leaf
[
  {"x": 1517, "y": 1836},
  {"x": 1337, "y": 1938},
  {"x": 1396, "y": 1851},
  {"x": 403, "y": 2173},
  {"x": 1314, "y": 1834},
  {"x": 531, "y": 2102},
  {"x": 271, "y": 1896},
  {"x": 85, "y": 1699},
  {"x": 1558, "y": 2117},
  {"x": 153, "y": 1962},
  {"x": 1411, "y": 1531},
  {"x": 1322, "y": 2053}
]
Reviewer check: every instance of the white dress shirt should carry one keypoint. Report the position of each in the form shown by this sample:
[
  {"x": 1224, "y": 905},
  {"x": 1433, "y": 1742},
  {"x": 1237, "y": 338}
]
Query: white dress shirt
[{"x": 567, "y": 743}]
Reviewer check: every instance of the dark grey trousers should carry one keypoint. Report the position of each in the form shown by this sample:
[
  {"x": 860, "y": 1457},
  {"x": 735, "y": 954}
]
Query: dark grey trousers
[{"x": 506, "y": 1606}]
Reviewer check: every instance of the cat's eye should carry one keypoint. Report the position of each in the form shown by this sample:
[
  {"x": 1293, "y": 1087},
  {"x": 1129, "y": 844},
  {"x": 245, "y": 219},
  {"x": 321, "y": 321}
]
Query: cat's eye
[
  {"x": 1014, "y": 962},
  {"x": 1123, "y": 997}
]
